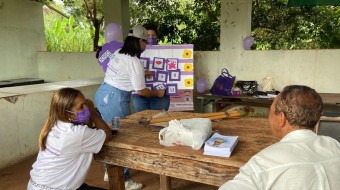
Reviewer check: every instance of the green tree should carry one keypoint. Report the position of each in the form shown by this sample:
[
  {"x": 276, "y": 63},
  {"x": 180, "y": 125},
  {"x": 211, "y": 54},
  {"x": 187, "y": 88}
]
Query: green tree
[
  {"x": 88, "y": 11},
  {"x": 87, "y": 14},
  {"x": 276, "y": 26},
  {"x": 181, "y": 21},
  {"x": 63, "y": 36}
]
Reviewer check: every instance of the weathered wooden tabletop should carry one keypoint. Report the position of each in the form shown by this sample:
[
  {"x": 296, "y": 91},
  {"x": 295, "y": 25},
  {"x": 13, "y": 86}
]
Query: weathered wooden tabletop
[{"x": 137, "y": 147}]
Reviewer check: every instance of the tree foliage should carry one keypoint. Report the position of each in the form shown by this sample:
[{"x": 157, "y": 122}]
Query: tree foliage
[
  {"x": 276, "y": 26},
  {"x": 88, "y": 15},
  {"x": 181, "y": 21},
  {"x": 88, "y": 11},
  {"x": 63, "y": 36}
]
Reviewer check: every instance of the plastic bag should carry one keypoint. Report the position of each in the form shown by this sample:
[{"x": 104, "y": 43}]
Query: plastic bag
[
  {"x": 186, "y": 132},
  {"x": 268, "y": 84}
]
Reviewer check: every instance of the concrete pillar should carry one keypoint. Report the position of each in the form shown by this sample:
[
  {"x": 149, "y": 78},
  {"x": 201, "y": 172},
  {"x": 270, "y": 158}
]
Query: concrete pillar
[
  {"x": 235, "y": 24},
  {"x": 117, "y": 11}
]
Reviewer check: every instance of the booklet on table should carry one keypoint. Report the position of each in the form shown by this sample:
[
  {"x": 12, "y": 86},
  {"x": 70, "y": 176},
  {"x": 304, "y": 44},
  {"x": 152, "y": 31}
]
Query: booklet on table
[{"x": 220, "y": 145}]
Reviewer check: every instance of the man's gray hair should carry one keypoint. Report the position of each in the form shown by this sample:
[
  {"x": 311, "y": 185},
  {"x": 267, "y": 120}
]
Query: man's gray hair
[{"x": 301, "y": 105}]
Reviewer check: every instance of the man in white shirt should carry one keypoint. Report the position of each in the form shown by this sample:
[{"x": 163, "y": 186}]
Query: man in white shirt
[{"x": 301, "y": 160}]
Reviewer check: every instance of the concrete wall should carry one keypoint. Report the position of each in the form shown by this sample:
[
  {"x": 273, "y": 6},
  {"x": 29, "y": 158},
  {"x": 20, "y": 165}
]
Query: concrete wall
[
  {"x": 21, "y": 36},
  {"x": 315, "y": 68},
  {"x": 68, "y": 66}
]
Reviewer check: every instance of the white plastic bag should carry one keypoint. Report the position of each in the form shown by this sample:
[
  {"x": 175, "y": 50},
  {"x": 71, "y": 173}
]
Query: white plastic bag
[
  {"x": 268, "y": 84},
  {"x": 186, "y": 132}
]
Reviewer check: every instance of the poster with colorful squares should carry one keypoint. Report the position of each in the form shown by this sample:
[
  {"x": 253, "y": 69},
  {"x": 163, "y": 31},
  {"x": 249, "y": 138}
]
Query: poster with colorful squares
[{"x": 173, "y": 69}]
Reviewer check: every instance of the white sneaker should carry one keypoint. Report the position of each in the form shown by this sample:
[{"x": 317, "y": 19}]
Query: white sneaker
[
  {"x": 132, "y": 185},
  {"x": 106, "y": 176}
]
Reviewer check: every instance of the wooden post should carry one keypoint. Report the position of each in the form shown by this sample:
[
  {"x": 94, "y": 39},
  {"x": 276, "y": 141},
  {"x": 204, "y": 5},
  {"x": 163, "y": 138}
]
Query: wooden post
[
  {"x": 165, "y": 182},
  {"x": 116, "y": 177}
]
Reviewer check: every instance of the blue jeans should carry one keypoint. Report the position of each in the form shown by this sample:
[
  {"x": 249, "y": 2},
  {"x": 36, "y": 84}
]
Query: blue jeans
[
  {"x": 141, "y": 103},
  {"x": 113, "y": 102}
]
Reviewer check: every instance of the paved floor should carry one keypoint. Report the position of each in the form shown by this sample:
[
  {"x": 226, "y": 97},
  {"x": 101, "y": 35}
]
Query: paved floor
[{"x": 17, "y": 176}]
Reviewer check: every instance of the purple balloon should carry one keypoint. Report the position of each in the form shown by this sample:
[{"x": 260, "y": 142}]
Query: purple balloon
[
  {"x": 112, "y": 32},
  {"x": 248, "y": 42},
  {"x": 202, "y": 85},
  {"x": 107, "y": 50}
]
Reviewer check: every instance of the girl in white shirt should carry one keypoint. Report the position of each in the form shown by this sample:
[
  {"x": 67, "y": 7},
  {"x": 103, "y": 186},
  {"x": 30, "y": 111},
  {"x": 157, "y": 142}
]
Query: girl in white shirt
[{"x": 67, "y": 143}]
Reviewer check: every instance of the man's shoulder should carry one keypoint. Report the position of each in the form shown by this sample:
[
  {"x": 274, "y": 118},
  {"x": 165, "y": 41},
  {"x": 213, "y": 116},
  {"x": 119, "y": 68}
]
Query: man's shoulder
[
  {"x": 328, "y": 139},
  {"x": 314, "y": 149}
]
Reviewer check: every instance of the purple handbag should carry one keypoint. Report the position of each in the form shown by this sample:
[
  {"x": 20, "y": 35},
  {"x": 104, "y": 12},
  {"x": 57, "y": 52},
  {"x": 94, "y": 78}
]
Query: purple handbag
[{"x": 223, "y": 84}]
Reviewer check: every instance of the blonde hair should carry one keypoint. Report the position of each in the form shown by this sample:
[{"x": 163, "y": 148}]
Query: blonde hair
[{"x": 62, "y": 100}]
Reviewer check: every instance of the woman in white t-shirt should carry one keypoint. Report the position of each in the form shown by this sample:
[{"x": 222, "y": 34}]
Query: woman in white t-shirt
[
  {"x": 125, "y": 74},
  {"x": 67, "y": 143}
]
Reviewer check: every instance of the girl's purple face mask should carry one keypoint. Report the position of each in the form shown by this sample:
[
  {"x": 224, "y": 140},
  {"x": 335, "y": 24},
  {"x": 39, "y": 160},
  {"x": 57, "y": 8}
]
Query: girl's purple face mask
[
  {"x": 82, "y": 116},
  {"x": 152, "y": 41}
]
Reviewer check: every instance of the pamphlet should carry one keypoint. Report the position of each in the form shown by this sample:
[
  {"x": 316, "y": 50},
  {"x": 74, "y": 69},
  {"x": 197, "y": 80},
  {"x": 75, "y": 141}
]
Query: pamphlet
[{"x": 220, "y": 145}]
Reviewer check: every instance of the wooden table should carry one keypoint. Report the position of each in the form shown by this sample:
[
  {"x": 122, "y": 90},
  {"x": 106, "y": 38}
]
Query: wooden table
[{"x": 137, "y": 147}]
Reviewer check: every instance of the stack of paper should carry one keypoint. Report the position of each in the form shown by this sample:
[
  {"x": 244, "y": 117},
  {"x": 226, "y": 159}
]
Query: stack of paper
[{"x": 220, "y": 145}]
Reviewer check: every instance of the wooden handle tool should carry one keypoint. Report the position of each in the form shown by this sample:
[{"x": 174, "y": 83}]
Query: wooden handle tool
[{"x": 211, "y": 116}]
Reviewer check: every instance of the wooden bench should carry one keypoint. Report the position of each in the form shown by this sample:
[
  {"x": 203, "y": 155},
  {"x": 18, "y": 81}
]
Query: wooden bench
[
  {"x": 220, "y": 102},
  {"x": 330, "y": 101}
]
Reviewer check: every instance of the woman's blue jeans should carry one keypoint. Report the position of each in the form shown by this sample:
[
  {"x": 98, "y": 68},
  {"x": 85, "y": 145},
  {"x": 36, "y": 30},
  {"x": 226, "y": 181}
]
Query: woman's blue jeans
[
  {"x": 141, "y": 103},
  {"x": 112, "y": 102}
]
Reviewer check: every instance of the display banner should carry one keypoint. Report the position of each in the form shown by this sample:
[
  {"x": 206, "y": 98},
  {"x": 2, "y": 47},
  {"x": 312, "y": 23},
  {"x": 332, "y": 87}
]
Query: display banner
[{"x": 172, "y": 69}]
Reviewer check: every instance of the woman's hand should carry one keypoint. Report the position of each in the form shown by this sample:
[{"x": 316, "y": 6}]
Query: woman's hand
[
  {"x": 149, "y": 93},
  {"x": 160, "y": 93},
  {"x": 90, "y": 105},
  {"x": 98, "y": 121},
  {"x": 148, "y": 74},
  {"x": 93, "y": 112}
]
